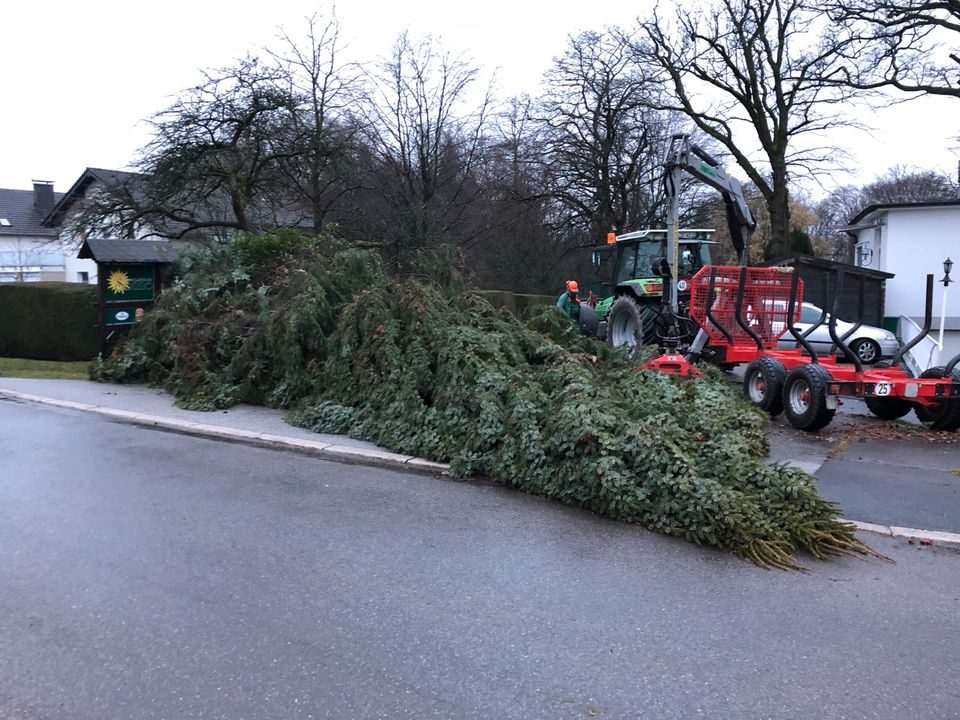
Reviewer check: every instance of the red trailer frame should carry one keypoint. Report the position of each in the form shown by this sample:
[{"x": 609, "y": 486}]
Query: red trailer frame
[{"x": 745, "y": 311}]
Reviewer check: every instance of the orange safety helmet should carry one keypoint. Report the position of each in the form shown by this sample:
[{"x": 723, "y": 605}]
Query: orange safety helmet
[{"x": 572, "y": 286}]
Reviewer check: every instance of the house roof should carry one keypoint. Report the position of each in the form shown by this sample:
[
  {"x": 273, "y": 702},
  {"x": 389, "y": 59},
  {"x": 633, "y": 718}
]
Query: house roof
[
  {"x": 897, "y": 206},
  {"x": 135, "y": 187},
  {"x": 19, "y": 209},
  {"x": 132, "y": 251},
  {"x": 832, "y": 265},
  {"x": 135, "y": 182}
]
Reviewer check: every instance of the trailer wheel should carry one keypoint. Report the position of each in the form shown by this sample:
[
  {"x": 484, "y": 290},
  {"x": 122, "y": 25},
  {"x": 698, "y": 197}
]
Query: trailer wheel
[
  {"x": 946, "y": 414},
  {"x": 763, "y": 384},
  {"x": 631, "y": 323},
  {"x": 805, "y": 398},
  {"x": 887, "y": 408}
]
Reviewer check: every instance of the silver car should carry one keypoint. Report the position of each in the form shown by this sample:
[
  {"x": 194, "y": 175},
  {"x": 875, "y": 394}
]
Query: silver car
[{"x": 868, "y": 342}]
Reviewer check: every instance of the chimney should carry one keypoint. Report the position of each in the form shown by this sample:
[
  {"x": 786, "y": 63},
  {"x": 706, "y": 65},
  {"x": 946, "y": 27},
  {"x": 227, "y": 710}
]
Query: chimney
[{"x": 43, "y": 196}]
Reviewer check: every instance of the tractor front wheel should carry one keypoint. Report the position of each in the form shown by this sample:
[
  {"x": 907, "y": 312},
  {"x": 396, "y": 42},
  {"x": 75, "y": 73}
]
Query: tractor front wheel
[{"x": 631, "y": 323}]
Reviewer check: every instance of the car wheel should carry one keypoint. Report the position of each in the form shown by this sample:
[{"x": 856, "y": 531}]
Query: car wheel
[{"x": 866, "y": 349}]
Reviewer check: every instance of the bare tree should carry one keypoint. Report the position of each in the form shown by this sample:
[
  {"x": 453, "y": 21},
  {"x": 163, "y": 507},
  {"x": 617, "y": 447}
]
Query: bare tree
[
  {"x": 322, "y": 130},
  {"x": 897, "y": 185},
  {"x": 427, "y": 140},
  {"x": 903, "y": 185},
  {"x": 833, "y": 215},
  {"x": 213, "y": 162},
  {"x": 910, "y": 45},
  {"x": 603, "y": 145},
  {"x": 754, "y": 73},
  {"x": 519, "y": 251}
]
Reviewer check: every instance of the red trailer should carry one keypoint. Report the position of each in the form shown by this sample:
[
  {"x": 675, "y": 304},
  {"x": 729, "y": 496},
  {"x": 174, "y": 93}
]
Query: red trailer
[{"x": 744, "y": 312}]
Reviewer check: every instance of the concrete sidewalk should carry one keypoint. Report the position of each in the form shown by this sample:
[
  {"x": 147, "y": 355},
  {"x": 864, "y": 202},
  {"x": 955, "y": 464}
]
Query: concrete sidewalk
[
  {"x": 151, "y": 407},
  {"x": 904, "y": 488}
]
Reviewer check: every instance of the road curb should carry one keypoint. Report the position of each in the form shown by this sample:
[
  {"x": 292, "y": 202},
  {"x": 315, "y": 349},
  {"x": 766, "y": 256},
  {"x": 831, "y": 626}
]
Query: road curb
[
  {"x": 924, "y": 537},
  {"x": 315, "y": 448},
  {"x": 374, "y": 458}
]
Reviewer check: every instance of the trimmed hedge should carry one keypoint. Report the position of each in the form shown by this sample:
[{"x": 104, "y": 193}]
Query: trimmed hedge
[{"x": 48, "y": 321}]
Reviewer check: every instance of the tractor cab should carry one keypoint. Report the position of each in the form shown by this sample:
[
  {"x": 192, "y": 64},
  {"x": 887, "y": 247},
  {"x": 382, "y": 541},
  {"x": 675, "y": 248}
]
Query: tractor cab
[{"x": 629, "y": 263}]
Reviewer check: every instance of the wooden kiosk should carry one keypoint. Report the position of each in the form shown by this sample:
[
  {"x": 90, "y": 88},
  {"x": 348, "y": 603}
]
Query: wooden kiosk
[{"x": 130, "y": 275}]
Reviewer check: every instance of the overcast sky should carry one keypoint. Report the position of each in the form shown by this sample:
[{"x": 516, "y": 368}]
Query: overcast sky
[{"x": 78, "y": 78}]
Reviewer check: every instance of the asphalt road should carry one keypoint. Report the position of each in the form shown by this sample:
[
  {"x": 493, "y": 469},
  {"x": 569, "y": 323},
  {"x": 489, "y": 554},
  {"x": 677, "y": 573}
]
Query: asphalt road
[{"x": 151, "y": 575}]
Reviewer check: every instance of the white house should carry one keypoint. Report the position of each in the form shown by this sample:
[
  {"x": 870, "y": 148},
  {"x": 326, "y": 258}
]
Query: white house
[
  {"x": 30, "y": 250},
  {"x": 912, "y": 240}
]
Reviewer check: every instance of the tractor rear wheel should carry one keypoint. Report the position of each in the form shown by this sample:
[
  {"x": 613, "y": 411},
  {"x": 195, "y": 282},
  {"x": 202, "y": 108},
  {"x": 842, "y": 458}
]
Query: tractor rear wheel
[
  {"x": 631, "y": 323},
  {"x": 763, "y": 384},
  {"x": 805, "y": 398},
  {"x": 945, "y": 415}
]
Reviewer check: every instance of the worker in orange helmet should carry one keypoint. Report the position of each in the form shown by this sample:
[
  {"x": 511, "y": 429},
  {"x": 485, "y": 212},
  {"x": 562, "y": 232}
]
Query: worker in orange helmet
[{"x": 569, "y": 302}]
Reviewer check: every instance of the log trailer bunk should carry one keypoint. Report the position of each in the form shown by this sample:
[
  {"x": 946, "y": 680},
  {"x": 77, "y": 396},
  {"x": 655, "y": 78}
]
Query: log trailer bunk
[{"x": 742, "y": 312}]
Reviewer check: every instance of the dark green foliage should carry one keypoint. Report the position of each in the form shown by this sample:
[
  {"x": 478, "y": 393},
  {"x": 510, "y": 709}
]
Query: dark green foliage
[
  {"x": 48, "y": 321},
  {"x": 522, "y": 305},
  {"x": 800, "y": 242},
  {"x": 445, "y": 376},
  {"x": 271, "y": 248}
]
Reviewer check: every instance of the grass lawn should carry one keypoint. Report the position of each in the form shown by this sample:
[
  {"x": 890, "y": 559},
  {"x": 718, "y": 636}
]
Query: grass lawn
[{"x": 22, "y": 368}]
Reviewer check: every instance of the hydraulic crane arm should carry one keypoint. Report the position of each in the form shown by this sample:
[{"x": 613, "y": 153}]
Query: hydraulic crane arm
[{"x": 685, "y": 156}]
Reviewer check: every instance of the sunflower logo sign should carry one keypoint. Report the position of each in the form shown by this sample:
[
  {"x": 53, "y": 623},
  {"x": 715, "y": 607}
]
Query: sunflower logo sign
[
  {"x": 118, "y": 282},
  {"x": 126, "y": 283}
]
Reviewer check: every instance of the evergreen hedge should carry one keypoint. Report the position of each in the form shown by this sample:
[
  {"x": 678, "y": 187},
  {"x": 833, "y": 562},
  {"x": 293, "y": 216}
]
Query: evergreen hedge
[
  {"x": 436, "y": 372},
  {"x": 48, "y": 321}
]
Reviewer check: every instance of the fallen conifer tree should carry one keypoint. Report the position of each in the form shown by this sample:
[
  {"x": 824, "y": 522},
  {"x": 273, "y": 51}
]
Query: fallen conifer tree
[{"x": 436, "y": 372}]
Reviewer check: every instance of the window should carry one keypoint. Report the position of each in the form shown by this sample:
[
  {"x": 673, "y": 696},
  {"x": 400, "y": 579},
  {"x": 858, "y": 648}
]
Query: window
[
  {"x": 83, "y": 277},
  {"x": 4, "y": 222},
  {"x": 810, "y": 315}
]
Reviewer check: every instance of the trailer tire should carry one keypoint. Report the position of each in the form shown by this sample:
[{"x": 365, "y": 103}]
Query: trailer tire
[
  {"x": 588, "y": 321},
  {"x": 763, "y": 384},
  {"x": 631, "y": 323},
  {"x": 892, "y": 408},
  {"x": 945, "y": 416},
  {"x": 888, "y": 408},
  {"x": 805, "y": 398}
]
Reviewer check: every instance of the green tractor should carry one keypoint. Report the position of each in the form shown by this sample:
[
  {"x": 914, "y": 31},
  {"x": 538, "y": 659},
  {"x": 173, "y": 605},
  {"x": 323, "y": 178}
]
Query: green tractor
[{"x": 630, "y": 270}]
